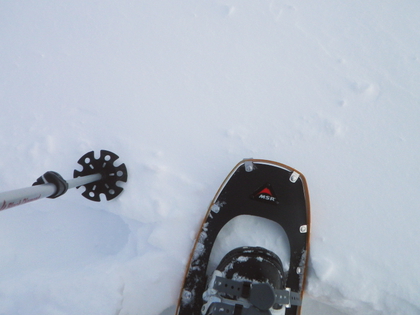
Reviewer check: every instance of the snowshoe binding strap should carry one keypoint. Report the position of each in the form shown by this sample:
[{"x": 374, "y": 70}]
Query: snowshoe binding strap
[
  {"x": 218, "y": 308},
  {"x": 261, "y": 295},
  {"x": 227, "y": 296}
]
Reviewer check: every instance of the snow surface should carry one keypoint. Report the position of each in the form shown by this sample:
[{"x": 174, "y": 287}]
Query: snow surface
[{"x": 182, "y": 91}]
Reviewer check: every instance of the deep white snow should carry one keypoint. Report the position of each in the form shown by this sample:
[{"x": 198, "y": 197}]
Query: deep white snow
[{"x": 182, "y": 91}]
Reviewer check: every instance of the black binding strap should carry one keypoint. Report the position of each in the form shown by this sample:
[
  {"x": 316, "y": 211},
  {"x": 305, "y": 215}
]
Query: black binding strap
[
  {"x": 56, "y": 179},
  {"x": 220, "y": 308},
  {"x": 260, "y": 298}
]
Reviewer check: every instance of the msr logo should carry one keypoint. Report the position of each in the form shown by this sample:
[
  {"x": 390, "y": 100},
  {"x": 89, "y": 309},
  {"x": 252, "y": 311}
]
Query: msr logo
[{"x": 265, "y": 194}]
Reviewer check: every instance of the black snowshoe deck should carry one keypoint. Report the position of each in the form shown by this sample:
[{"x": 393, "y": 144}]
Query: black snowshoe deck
[{"x": 259, "y": 188}]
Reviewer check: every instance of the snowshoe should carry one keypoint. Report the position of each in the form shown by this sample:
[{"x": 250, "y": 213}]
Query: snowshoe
[{"x": 251, "y": 281}]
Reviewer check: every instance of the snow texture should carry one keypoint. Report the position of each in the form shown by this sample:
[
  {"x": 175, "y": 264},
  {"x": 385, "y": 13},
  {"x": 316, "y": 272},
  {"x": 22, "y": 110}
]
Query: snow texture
[{"x": 182, "y": 91}]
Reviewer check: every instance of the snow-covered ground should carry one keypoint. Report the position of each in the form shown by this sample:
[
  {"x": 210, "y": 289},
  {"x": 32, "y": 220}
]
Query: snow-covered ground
[{"x": 182, "y": 91}]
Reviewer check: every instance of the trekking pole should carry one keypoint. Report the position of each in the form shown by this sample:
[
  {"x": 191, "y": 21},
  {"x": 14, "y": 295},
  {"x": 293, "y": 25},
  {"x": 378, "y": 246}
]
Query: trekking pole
[{"x": 98, "y": 176}]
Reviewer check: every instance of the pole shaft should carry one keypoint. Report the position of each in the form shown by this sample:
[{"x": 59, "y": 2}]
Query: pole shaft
[
  {"x": 21, "y": 196},
  {"x": 83, "y": 180},
  {"x": 18, "y": 197}
]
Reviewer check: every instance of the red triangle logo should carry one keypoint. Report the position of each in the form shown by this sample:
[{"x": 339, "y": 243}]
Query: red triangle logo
[
  {"x": 266, "y": 191},
  {"x": 265, "y": 194}
]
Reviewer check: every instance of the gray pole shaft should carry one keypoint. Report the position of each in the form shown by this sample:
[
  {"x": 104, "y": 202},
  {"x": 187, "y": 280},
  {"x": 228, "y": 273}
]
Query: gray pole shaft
[
  {"x": 83, "y": 180},
  {"x": 21, "y": 196}
]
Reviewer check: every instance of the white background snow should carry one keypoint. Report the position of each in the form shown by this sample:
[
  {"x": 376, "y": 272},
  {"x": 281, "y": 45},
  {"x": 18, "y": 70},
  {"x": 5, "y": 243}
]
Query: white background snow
[{"x": 182, "y": 91}]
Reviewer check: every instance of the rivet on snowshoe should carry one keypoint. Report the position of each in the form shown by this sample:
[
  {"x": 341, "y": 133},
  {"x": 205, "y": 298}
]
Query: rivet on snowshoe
[
  {"x": 249, "y": 166},
  {"x": 215, "y": 208},
  {"x": 294, "y": 177}
]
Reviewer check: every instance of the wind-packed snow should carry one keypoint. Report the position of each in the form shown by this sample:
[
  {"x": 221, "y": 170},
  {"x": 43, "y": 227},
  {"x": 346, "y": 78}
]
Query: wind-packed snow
[{"x": 182, "y": 91}]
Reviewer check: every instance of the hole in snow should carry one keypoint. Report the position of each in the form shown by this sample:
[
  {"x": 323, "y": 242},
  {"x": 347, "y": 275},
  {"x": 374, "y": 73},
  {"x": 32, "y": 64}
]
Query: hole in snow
[{"x": 246, "y": 230}]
